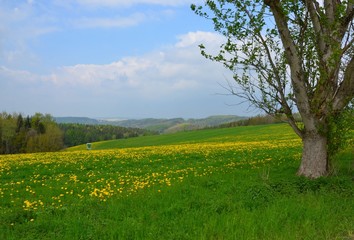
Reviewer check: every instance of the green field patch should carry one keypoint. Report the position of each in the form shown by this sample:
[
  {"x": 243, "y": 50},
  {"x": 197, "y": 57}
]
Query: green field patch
[{"x": 237, "y": 183}]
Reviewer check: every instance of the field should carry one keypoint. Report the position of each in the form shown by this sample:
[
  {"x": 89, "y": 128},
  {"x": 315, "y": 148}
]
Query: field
[{"x": 236, "y": 183}]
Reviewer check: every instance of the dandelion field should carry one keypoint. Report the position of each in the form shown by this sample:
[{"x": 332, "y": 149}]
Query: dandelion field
[{"x": 214, "y": 184}]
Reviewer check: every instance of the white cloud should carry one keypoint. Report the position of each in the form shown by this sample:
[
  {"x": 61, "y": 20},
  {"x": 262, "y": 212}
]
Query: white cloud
[
  {"x": 20, "y": 76},
  {"x": 196, "y": 38},
  {"x": 174, "y": 68},
  {"x": 20, "y": 24},
  {"x": 175, "y": 79}
]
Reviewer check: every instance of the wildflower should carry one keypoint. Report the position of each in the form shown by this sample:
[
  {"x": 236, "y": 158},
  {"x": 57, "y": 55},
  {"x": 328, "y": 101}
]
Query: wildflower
[{"x": 27, "y": 203}]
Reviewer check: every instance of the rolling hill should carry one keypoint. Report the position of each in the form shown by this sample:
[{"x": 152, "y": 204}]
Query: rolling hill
[
  {"x": 160, "y": 125},
  {"x": 222, "y": 183},
  {"x": 246, "y": 134}
]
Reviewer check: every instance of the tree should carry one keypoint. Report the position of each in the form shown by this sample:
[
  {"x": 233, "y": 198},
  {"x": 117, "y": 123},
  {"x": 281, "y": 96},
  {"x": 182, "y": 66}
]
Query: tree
[
  {"x": 39, "y": 133},
  {"x": 8, "y": 130},
  {"x": 19, "y": 143},
  {"x": 50, "y": 141},
  {"x": 44, "y": 134},
  {"x": 290, "y": 56}
]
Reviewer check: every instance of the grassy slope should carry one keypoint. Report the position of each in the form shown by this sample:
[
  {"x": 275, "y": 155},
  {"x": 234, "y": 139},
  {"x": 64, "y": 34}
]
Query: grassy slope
[
  {"x": 225, "y": 193},
  {"x": 248, "y": 133}
]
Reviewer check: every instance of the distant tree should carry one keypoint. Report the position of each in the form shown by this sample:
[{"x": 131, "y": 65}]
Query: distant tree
[
  {"x": 50, "y": 141},
  {"x": 32, "y": 134},
  {"x": 20, "y": 123},
  {"x": 8, "y": 132},
  {"x": 37, "y": 123},
  {"x": 289, "y": 56},
  {"x": 27, "y": 123},
  {"x": 19, "y": 143},
  {"x": 75, "y": 134},
  {"x": 44, "y": 134}
]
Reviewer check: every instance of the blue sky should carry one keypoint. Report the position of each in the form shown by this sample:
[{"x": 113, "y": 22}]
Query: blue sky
[{"x": 110, "y": 58}]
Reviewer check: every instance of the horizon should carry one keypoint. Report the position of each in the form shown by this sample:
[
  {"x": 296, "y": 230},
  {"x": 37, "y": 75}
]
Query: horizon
[{"x": 123, "y": 119}]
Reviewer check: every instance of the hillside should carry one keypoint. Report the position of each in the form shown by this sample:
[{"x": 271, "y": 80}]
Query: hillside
[
  {"x": 157, "y": 124},
  {"x": 79, "y": 120},
  {"x": 245, "y": 134},
  {"x": 235, "y": 183}
]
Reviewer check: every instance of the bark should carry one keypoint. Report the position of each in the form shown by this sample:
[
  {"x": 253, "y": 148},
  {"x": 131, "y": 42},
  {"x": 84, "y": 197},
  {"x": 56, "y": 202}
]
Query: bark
[
  {"x": 314, "y": 161},
  {"x": 293, "y": 58},
  {"x": 317, "y": 106},
  {"x": 346, "y": 90}
]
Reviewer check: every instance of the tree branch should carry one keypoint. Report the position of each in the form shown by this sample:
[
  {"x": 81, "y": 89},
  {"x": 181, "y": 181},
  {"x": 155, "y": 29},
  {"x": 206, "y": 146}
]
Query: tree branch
[
  {"x": 297, "y": 74},
  {"x": 313, "y": 8},
  {"x": 346, "y": 89},
  {"x": 330, "y": 7},
  {"x": 347, "y": 18}
]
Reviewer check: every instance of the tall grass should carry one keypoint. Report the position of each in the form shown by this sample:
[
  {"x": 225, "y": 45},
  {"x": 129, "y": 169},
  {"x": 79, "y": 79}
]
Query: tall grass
[{"x": 209, "y": 184}]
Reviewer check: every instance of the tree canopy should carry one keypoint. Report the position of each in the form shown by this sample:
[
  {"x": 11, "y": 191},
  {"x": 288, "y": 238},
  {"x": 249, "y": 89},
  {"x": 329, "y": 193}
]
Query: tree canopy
[{"x": 290, "y": 56}]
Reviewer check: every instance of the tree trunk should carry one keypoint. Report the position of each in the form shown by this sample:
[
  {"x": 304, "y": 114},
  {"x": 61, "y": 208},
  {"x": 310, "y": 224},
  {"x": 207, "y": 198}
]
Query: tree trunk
[{"x": 314, "y": 161}]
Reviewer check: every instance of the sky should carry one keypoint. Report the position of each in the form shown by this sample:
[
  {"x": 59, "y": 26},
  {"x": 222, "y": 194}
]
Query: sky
[{"x": 111, "y": 58}]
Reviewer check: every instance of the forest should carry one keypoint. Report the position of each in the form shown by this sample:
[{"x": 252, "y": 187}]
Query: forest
[
  {"x": 40, "y": 133},
  {"x": 75, "y": 133},
  {"x": 37, "y": 133}
]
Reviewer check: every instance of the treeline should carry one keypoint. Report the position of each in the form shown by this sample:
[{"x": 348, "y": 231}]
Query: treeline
[
  {"x": 76, "y": 134},
  {"x": 259, "y": 120},
  {"x": 38, "y": 133}
]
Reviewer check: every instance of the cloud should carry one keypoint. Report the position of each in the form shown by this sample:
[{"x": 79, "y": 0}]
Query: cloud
[
  {"x": 172, "y": 81},
  {"x": 20, "y": 24},
  {"x": 171, "y": 70},
  {"x": 170, "y": 76},
  {"x": 19, "y": 76},
  {"x": 196, "y": 38},
  {"x": 23, "y": 23}
]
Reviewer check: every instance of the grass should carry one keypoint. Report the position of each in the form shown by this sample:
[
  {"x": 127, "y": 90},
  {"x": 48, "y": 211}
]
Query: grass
[
  {"x": 235, "y": 183},
  {"x": 243, "y": 134}
]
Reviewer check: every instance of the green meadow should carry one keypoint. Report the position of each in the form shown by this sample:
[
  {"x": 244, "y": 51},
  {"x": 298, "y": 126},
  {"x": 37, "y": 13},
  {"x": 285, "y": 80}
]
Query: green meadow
[{"x": 232, "y": 183}]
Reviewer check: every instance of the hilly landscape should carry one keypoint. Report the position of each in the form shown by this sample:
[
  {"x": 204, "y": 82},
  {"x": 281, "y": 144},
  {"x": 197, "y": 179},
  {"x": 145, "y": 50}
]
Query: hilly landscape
[
  {"x": 157, "y": 124},
  {"x": 221, "y": 183}
]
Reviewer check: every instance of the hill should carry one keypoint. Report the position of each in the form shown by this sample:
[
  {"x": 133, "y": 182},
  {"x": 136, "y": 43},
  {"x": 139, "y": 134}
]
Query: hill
[
  {"x": 79, "y": 120},
  {"x": 179, "y": 124},
  {"x": 160, "y": 125},
  {"x": 245, "y": 134},
  {"x": 235, "y": 183}
]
